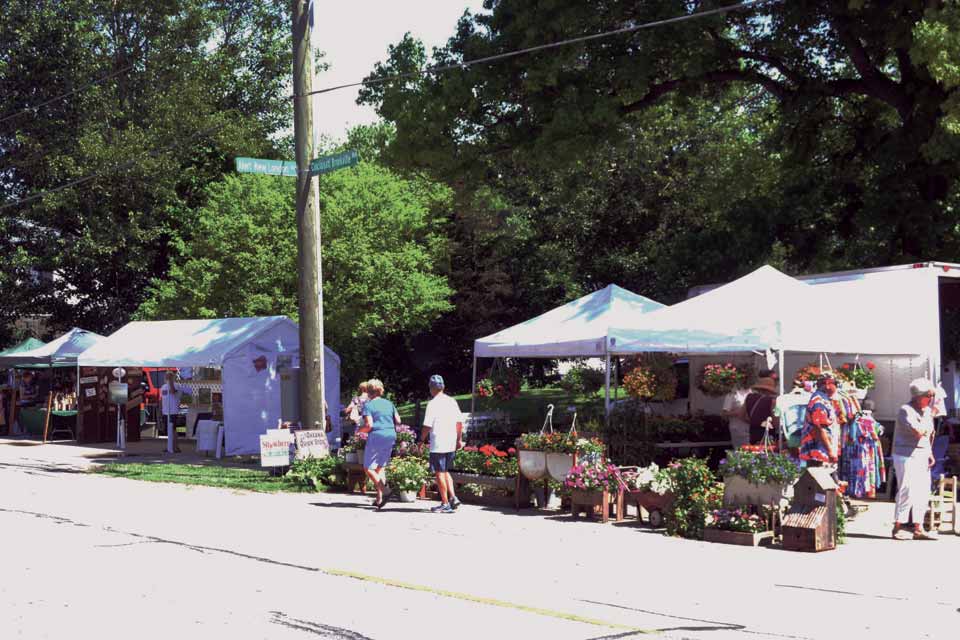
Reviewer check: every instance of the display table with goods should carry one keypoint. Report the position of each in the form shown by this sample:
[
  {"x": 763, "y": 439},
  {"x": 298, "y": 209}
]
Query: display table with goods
[
  {"x": 489, "y": 475},
  {"x": 551, "y": 456}
]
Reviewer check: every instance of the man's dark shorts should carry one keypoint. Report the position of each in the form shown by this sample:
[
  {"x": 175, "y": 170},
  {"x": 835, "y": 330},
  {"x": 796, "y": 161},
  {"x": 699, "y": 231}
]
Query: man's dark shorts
[{"x": 441, "y": 462}]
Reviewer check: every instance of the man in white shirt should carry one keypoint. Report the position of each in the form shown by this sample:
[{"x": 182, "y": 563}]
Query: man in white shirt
[
  {"x": 443, "y": 425},
  {"x": 733, "y": 410},
  {"x": 169, "y": 407}
]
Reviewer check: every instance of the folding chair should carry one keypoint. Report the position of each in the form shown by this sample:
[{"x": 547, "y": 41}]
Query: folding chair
[{"x": 943, "y": 507}]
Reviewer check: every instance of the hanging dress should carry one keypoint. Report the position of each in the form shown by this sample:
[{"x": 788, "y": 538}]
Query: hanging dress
[{"x": 861, "y": 460}]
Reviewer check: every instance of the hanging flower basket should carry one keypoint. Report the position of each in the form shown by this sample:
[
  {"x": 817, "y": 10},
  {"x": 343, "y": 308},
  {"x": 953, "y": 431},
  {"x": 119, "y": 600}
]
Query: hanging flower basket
[
  {"x": 533, "y": 464},
  {"x": 559, "y": 465}
]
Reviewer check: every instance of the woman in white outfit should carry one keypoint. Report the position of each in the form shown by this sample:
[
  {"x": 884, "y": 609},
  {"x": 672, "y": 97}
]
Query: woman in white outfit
[{"x": 912, "y": 459}]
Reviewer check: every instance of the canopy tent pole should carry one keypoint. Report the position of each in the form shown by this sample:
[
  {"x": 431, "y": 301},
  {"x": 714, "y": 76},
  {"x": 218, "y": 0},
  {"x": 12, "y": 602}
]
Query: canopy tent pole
[
  {"x": 780, "y": 371},
  {"x": 606, "y": 389},
  {"x": 473, "y": 385}
]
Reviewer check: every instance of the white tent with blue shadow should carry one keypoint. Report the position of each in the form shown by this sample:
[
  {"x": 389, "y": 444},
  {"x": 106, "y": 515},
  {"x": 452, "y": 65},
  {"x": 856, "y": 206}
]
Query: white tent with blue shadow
[
  {"x": 253, "y": 354},
  {"x": 580, "y": 328}
]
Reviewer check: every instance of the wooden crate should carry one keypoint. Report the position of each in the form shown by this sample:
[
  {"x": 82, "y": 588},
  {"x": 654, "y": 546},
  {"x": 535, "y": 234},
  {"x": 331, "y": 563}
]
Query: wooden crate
[
  {"x": 591, "y": 501},
  {"x": 711, "y": 534}
]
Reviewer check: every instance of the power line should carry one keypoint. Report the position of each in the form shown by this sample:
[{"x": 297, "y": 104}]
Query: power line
[
  {"x": 92, "y": 83},
  {"x": 543, "y": 47},
  {"x": 115, "y": 168}
]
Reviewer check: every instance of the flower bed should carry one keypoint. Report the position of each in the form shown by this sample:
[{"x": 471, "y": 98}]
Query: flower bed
[
  {"x": 757, "y": 478},
  {"x": 486, "y": 460}
]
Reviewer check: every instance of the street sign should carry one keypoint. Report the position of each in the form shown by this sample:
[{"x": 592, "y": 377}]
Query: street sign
[
  {"x": 326, "y": 164},
  {"x": 269, "y": 167}
]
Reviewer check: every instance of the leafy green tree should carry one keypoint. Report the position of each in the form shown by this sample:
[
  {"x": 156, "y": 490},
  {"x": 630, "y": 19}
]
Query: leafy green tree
[
  {"x": 191, "y": 84},
  {"x": 383, "y": 246}
]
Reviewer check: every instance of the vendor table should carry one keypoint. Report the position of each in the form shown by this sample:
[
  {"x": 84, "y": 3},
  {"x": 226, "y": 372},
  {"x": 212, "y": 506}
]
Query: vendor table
[
  {"x": 32, "y": 419},
  {"x": 692, "y": 445}
]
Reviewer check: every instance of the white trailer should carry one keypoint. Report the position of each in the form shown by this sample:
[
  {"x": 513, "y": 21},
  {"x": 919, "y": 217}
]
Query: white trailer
[{"x": 900, "y": 306}]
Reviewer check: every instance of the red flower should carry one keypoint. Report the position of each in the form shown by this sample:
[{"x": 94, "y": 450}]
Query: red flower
[
  {"x": 846, "y": 365},
  {"x": 871, "y": 366},
  {"x": 511, "y": 451}
]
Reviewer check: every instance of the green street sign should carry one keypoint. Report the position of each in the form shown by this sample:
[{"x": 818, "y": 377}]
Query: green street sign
[
  {"x": 269, "y": 167},
  {"x": 326, "y": 164}
]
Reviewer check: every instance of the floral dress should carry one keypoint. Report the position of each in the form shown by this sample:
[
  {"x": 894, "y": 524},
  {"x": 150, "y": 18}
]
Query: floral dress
[
  {"x": 821, "y": 415},
  {"x": 861, "y": 461}
]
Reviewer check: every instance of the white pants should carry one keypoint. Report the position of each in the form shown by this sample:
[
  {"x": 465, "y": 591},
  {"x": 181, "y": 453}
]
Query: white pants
[{"x": 913, "y": 494}]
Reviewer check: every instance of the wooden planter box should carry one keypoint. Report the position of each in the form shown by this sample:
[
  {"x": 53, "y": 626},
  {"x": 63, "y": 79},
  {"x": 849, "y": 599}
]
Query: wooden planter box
[
  {"x": 516, "y": 485},
  {"x": 591, "y": 501},
  {"x": 711, "y": 534}
]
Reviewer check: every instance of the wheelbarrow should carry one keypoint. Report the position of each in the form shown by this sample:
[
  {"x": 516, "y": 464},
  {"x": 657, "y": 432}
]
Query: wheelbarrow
[{"x": 656, "y": 504}]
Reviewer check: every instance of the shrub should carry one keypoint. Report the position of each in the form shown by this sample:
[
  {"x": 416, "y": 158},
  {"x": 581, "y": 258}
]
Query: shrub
[
  {"x": 696, "y": 494},
  {"x": 583, "y": 380},
  {"x": 317, "y": 473}
]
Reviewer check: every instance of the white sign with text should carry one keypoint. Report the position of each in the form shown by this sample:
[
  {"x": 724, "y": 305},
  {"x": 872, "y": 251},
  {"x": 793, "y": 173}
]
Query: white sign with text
[
  {"x": 275, "y": 448},
  {"x": 311, "y": 443}
]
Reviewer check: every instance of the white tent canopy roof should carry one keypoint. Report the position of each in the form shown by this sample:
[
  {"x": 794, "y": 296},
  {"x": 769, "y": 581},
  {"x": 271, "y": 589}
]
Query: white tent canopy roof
[
  {"x": 763, "y": 310},
  {"x": 180, "y": 343},
  {"x": 61, "y": 351},
  {"x": 575, "y": 329}
]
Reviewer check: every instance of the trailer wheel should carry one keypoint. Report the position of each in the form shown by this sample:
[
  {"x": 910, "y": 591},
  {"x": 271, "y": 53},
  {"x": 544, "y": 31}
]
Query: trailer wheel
[{"x": 655, "y": 518}]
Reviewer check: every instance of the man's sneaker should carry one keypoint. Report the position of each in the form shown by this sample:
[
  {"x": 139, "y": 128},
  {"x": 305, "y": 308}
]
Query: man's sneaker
[
  {"x": 444, "y": 508},
  {"x": 455, "y": 503}
]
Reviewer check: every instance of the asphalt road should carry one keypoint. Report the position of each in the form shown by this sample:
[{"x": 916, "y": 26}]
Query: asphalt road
[{"x": 102, "y": 557}]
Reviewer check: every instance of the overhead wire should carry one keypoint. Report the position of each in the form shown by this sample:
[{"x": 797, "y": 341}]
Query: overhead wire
[
  {"x": 429, "y": 71},
  {"x": 543, "y": 47},
  {"x": 90, "y": 84}
]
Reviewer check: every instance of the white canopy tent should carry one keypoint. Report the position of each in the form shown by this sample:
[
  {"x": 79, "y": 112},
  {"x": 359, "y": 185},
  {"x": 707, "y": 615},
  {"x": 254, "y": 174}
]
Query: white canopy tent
[
  {"x": 580, "y": 328},
  {"x": 765, "y": 310},
  {"x": 251, "y": 397}
]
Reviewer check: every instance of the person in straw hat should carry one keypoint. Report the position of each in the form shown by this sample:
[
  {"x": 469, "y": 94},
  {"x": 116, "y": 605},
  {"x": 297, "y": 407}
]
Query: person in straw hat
[
  {"x": 759, "y": 405},
  {"x": 820, "y": 435}
]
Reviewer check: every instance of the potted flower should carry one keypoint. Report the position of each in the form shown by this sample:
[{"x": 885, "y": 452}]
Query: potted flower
[
  {"x": 353, "y": 450},
  {"x": 594, "y": 485},
  {"x": 502, "y": 382},
  {"x": 719, "y": 379},
  {"x": 406, "y": 441},
  {"x": 861, "y": 378},
  {"x": 563, "y": 450},
  {"x": 407, "y": 476},
  {"x": 757, "y": 478},
  {"x": 737, "y": 526},
  {"x": 807, "y": 374},
  {"x": 651, "y": 378}
]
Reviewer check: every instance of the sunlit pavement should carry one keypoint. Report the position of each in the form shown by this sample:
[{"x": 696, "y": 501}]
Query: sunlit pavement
[{"x": 120, "y": 557}]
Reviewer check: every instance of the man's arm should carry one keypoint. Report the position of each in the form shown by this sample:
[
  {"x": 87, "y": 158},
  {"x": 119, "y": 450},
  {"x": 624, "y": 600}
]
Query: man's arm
[
  {"x": 425, "y": 434},
  {"x": 459, "y": 435}
]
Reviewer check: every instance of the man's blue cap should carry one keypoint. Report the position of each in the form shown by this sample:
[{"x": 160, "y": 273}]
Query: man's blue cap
[{"x": 436, "y": 381}]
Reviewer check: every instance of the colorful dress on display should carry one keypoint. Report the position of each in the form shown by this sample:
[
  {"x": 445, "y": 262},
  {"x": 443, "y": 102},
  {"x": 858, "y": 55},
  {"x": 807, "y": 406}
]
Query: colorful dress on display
[
  {"x": 861, "y": 463},
  {"x": 821, "y": 416},
  {"x": 847, "y": 407}
]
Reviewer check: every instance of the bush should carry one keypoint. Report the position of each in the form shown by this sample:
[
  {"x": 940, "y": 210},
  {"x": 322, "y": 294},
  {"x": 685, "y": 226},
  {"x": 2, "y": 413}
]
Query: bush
[
  {"x": 696, "y": 494},
  {"x": 317, "y": 473},
  {"x": 583, "y": 380}
]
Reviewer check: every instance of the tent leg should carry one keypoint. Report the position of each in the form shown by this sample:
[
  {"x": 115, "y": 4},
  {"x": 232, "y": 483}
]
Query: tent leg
[
  {"x": 780, "y": 371},
  {"x": 606, "y": 390},
  {"x": 473, "y": 387}
]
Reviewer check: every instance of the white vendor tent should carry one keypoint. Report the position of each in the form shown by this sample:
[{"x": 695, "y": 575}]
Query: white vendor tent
[
  {"x": 580, "y": 328},
  {"x": 251, "y": 398},
  {"x": 763, "y": 311}
]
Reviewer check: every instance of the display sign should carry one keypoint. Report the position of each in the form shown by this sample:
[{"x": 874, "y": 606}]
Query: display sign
[
  {"x": 118, "y": 392},
  {"x": 92, "y": 391},
  {"x": 88, "y": 380},
  {"x": 275, "y": 448},
  {"x": 311, "y": 443},
  {"x": 206, "y": 434}
]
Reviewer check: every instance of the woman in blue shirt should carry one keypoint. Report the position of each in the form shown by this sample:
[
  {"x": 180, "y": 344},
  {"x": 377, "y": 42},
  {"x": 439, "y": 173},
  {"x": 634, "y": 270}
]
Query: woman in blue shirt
[{"x": 380, "y": 421}]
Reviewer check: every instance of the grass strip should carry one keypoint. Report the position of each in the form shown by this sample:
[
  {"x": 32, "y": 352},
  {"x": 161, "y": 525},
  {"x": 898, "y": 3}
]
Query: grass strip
[{"x": 208, "y": 476}]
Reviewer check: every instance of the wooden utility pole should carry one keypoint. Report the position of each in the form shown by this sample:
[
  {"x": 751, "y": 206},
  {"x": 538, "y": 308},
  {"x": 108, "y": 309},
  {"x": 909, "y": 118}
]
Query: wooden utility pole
[{"x": 310, "y": 287}]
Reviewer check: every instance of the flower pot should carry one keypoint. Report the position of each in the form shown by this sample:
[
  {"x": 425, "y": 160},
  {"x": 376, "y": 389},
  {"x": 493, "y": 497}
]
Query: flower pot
[
  {"x": 408, "y": 495},
  {"x": 559, "y": 465},
  {"x": 860, "y": 394},
  {"x": 533, "y": 464},
  {"x": 351, "y": 456},
  {"x": 711, "y": 534},
  {"x": 738, "y": 491}
]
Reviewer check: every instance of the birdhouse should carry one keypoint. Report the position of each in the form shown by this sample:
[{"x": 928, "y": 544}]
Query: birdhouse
[{"x": 811, "y": 522}]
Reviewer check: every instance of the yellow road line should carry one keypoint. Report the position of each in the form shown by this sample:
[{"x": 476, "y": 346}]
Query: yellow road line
[{"x": 572, "y": 617}]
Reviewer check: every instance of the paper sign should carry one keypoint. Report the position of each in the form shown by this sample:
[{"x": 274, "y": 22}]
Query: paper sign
[
  {"x": 92, "y": 391},
  {"x": 118, "y": 392},
  {"x": 821, "y": 498},
  {"x": 88, "y": 380},
  {"x": 206, "y": 435},
  {"x": 311, "y": 443},
  {"x": 275, "y": 448}
]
